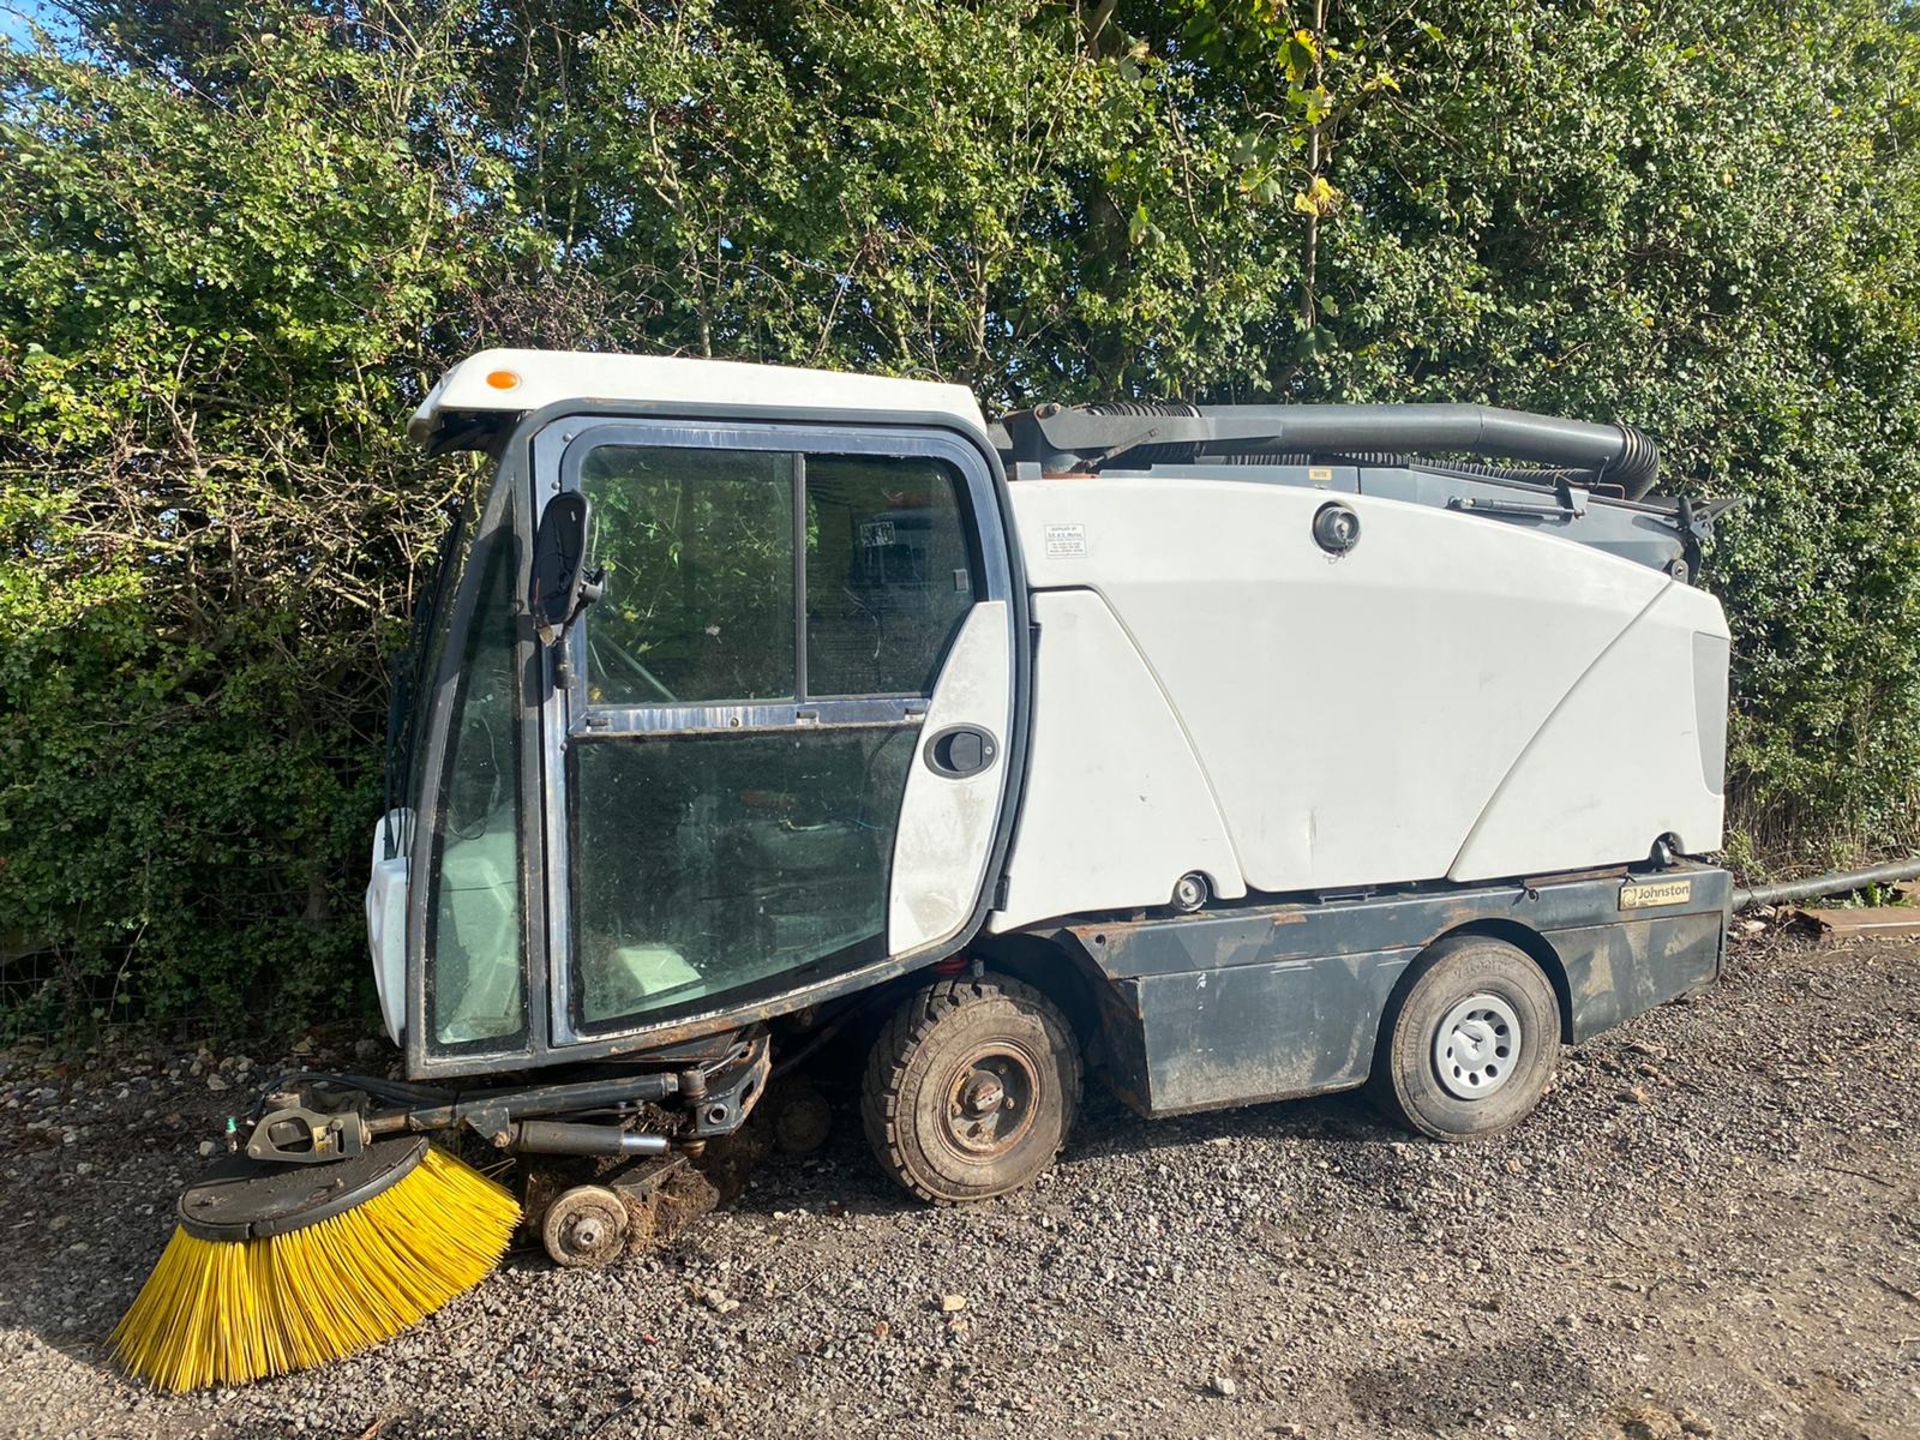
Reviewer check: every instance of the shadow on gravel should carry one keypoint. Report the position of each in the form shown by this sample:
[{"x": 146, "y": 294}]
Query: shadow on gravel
[
  {"x": 73, "y": 1265},
  {"x": 1473, "y": 1386},
  {"x": 843, "y": 1178},
  {"x": 1108, "y": 1128}
]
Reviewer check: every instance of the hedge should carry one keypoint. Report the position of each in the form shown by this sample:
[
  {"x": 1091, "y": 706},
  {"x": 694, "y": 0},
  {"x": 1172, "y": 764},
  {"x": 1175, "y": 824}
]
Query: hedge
[{"x": 236, "y": 245}]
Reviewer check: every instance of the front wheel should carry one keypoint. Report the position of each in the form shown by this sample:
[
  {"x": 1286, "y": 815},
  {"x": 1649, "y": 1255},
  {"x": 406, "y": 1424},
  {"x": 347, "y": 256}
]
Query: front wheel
[
  {"x": 1467, "y": 1049},
  {"x": 971, "y": 1089}
]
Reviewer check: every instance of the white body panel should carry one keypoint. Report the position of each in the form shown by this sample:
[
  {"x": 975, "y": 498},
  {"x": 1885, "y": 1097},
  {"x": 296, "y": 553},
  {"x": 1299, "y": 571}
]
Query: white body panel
[
  {"x": 1355, "y": 718},
  {"x": 1624, "y": 745},
  {"x": 946, "y": 828},
  {"x": 545, "y": 377},
  {"x": 1117, "y": 807},
  {"x": 386, "y": 903}
]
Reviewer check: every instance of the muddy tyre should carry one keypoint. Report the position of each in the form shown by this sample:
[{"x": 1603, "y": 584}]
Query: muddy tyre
[
  {"x": 971, "y": 1089},
  {"x": 1469, "y": 1042}
]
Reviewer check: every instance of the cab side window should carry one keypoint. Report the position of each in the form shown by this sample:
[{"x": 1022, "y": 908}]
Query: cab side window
[
  {"x": 888, "y": 575},
  {"x": 698, "y": 550}
]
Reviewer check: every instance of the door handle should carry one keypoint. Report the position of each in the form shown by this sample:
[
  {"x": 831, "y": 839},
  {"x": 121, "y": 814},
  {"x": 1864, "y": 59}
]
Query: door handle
[{"x": 960, "y": 751}]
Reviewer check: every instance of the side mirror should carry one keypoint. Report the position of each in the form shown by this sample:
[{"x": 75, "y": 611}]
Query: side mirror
[{"x": 560, "y": 587}]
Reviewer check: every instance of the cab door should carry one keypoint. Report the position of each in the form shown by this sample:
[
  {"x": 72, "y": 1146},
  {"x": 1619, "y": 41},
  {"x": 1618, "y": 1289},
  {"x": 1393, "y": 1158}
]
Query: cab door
[{"x": 779, "y": 759}]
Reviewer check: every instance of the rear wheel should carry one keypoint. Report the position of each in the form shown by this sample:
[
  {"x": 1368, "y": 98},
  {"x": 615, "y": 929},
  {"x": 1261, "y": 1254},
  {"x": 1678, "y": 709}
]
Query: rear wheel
[
  {"x": 971, "y": 1089},
  {"x": 1466, "y": 1050}
]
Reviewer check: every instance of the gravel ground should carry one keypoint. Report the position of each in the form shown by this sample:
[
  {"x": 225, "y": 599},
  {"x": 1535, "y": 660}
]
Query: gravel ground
[{"x": 1710, "y": 1228}]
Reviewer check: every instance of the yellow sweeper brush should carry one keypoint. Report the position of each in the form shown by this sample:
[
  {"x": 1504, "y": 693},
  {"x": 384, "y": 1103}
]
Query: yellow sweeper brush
[{"x": 281, "y": 1267}]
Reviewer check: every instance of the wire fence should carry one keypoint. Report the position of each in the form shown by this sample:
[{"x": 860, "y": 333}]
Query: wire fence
[{"x": 50, "y": 1002}]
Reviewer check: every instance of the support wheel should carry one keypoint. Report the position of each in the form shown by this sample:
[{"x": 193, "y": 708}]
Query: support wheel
[
  {"x": 802, "y": 1118},
  {"x": 971, "y": 1089},
  {"x": 585, "y": 1228},
  {"x": 1469, "y": 1042}
]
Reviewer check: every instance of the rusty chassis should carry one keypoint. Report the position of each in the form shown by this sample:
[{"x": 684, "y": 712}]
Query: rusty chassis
[{"x": 316, "y": 1118}]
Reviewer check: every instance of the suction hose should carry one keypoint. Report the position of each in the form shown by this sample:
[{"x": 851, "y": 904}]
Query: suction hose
[
  {"x": 1621, "y": 455},
  {"x": 1834, "y": 882},
  {"x": 1079, "y": 438}
]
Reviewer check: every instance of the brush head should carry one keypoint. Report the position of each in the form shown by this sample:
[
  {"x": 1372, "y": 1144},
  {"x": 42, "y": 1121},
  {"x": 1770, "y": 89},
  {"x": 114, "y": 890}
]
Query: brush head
[
  {"x": 286, "y": 1267},
  {"x": 241, "y": 1199}
]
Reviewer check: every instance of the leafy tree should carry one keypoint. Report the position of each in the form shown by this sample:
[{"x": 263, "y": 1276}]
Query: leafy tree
[{"x": 223, "y": 284}]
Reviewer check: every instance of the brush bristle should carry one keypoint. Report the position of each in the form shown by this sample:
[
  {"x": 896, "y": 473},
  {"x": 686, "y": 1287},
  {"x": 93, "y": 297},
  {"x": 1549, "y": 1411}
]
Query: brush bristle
[{"x": 219, "y": 1313}]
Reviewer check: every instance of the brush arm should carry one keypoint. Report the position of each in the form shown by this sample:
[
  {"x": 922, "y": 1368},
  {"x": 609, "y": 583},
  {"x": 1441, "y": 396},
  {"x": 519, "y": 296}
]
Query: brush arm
[{"x": 494, "y": 1113}]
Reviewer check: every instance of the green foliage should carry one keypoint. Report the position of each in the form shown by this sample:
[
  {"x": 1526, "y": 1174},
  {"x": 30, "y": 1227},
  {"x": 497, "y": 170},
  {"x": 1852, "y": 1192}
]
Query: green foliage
[
  {"x": 236, "y": 244},
  {"x": 217, "y": 296}
]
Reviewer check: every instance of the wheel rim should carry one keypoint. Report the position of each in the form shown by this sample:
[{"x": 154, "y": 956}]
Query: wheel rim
[
  {"x": 990, "y": 1102},
  {"x": 586, "y": 1227},
  {"x": 588, "y": 1233},
  {"x": 1476, "y": 1048}
]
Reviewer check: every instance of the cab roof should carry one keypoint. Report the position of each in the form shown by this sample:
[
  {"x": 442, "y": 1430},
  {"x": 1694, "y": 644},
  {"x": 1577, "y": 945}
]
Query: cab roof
[{"x": 518, "y": 382}]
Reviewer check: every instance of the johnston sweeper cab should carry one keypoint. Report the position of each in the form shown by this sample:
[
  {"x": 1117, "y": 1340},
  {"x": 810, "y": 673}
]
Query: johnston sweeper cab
[{"x": 1237, "y": 753}]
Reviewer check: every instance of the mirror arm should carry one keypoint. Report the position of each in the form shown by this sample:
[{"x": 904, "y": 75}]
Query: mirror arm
[{"x": 592, "y": 586}]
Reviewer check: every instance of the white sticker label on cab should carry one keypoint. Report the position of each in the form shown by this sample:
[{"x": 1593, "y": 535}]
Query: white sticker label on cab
[{"x": 1066, "y": 542}]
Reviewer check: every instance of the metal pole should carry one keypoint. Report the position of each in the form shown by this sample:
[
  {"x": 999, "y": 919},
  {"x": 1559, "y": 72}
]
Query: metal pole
[{"x": 1834, "y": 882}]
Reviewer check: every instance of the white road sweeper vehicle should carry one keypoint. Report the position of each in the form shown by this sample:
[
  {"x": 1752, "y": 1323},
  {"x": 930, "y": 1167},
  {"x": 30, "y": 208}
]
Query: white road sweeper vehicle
[{"x": 1235, "y": 753}]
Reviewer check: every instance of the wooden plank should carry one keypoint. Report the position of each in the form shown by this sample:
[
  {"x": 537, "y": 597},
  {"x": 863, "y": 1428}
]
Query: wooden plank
[{"x": 1881, "y": 920}]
